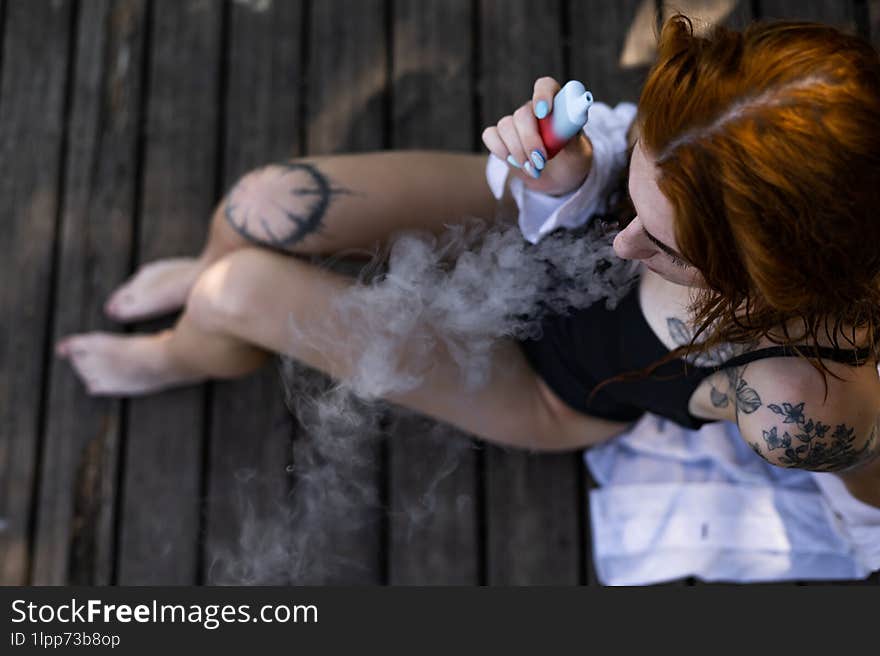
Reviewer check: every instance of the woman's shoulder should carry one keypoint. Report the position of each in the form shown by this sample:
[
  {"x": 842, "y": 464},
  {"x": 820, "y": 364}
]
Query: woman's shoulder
[
  {"x": 780, "y": 402},
  {"x": 787, "y": 417}
]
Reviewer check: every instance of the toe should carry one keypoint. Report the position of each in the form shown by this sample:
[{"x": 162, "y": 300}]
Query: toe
[
  {"x": 62, "y": 347},
  {"x": 117, "y": 303}
]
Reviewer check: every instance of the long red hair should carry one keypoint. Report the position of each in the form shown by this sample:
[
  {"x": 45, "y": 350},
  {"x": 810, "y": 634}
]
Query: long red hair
[{"x": 768, "y": 148}]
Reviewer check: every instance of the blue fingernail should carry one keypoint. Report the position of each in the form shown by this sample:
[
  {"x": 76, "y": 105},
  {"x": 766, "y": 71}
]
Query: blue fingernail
[
  {"x": 541, "y": 109},
  {"x": 538, "y": 159},
  {"x": 531, "y": 170},
  {"x": 513, "y": 162}
]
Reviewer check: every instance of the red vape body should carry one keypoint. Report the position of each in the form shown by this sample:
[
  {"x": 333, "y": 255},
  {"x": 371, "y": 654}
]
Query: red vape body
[{"x": 552, "y": 143}]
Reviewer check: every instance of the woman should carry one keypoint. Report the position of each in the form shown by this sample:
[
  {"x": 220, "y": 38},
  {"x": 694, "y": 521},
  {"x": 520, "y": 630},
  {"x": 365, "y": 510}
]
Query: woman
[{"x": 754, "y": 183}]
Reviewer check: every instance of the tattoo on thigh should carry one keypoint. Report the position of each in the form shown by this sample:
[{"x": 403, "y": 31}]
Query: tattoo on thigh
[{"x": 280, "y": 205}]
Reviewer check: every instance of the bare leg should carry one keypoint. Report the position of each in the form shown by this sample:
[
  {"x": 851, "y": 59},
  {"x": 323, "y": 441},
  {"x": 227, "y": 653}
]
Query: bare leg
[
  {"x": 321, "y": 205},
  {"x": 235, "y": 318}
]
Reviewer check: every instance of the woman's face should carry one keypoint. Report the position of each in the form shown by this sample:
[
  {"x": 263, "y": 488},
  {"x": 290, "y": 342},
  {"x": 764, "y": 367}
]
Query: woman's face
[{"x": 649, "y": 237}]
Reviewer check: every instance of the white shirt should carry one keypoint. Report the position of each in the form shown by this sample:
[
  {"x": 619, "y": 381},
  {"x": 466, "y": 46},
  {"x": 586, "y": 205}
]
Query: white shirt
[{"x": 540, "y": 213}]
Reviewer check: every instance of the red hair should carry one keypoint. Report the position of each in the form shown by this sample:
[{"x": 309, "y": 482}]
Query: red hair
[{"x": 767, "y": 143}]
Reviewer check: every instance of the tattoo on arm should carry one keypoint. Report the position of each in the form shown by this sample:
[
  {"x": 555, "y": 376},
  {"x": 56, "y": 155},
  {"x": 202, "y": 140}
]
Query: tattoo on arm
[
  {"x": 812, "y": 446},
  {"x": 744, "y": 397},
  {"x": 279, "y": 205}
]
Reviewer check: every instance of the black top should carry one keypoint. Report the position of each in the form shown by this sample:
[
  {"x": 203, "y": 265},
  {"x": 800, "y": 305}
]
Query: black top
[{"x": 578, "y": 351}]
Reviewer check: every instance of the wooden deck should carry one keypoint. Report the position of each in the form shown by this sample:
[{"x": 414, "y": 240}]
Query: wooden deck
[{"x": 121, "y": 125}]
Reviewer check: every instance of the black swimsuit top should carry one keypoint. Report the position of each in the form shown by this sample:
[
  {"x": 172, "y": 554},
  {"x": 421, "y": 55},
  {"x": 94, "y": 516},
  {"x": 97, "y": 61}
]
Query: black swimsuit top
[
  {"x": 678, "y": 390},
  {"x": 579, "y": 350}
]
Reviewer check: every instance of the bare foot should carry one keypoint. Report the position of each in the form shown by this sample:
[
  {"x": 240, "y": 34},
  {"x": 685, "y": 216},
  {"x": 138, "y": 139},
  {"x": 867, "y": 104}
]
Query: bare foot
[
  {"x": 157, "y": 288},
  {"x": 123, "y": 365}
]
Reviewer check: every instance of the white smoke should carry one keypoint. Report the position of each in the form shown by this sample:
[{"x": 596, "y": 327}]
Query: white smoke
[
  {"x": 474, "y": 284},
  {"x": 468, "y": 288}
]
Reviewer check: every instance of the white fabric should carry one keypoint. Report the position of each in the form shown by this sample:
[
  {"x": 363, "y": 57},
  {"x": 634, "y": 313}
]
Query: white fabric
[
  {"x": 858, "y": 521},
  {"x": 539, "y": 213},
  {"x": 675, "y": 502}
]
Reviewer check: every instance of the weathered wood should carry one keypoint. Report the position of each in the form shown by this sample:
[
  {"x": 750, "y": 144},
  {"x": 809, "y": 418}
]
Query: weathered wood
[
  {"x": 833, "y": 12},
  {"x": 79, "y": 164},
  {"x": 32, "y": 125},
  {"x": 163, "y": 451},
  {"x": 734, "y": 14},
  {"x": 347, "y": 90},
  {"x": 433, "y": 497},
  {"x": 346, "y": 109},
  {"x": 532, "y": 519},
  {"x": 75, "y": 539},
  {"x": 874, "y": 22},
  {"x": 250, "y": 425},
  {"x": 434, "y": 504},
  {"x": 612, "y": 46}
]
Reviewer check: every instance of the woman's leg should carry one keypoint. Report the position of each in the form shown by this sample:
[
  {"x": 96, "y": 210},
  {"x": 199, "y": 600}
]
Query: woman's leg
[
  {"x": 321, "y": 205},
  {"x": 237, "y": 314}
]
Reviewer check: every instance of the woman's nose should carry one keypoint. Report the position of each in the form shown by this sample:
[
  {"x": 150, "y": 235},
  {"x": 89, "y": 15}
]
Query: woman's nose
[{"x": 628, "y": 246}]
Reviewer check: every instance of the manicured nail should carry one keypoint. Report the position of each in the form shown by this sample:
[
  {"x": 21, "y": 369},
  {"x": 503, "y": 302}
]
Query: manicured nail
[
  {"x": 531, "y": 170},
  {"x": 541, "y": 108},
  {"x": 513, "y": 162},
  {"x": 538, "y": 159}
]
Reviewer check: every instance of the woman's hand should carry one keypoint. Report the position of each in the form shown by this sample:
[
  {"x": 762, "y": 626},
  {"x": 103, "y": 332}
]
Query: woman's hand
[{"x": 517, "y": 137}]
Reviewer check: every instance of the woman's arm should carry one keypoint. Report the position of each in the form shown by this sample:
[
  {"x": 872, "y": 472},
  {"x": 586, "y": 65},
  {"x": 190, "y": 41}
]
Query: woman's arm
[
  {"x": 864, "y": 485},
  {"x": 864, "y": 482}
]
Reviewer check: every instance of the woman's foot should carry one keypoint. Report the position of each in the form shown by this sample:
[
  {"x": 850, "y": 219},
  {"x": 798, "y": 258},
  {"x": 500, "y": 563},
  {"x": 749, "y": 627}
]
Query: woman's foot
[
  {"x": 123, "y": 365},
  {"x": 157, "y": 288}
]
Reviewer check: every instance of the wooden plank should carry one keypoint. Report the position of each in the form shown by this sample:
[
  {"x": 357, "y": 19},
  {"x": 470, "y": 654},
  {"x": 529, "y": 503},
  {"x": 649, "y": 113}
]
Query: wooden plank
[
  {"x": 32, "y": 124},
  {"x": 833, "y": 12},
  {"x": 611, "y": 56},
  {"x": 250, "y": 425},
  {"x": 75, "y": 540},
  {"x": 434, "y": 504},
  {"x": 733, "y": 14},
  {"x": 874, "y": 22},
  {"x": 532, "y": 503},
  {"x": 163, "y": 454},
  {"x": 346, "y": 110},
  {"x": 433, "y": 522}
]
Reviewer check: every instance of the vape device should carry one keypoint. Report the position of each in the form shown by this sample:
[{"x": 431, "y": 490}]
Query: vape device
[{"x": 567, "y": 117}]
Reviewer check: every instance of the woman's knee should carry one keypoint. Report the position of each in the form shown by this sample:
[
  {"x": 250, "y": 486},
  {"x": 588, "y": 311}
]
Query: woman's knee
[
  {"x": 274, "y": 206},
  {"x": 230, "y": 288}
]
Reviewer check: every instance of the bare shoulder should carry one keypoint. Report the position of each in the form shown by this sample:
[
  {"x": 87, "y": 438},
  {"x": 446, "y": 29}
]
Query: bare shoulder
[{"x": 793, "y": 424}]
